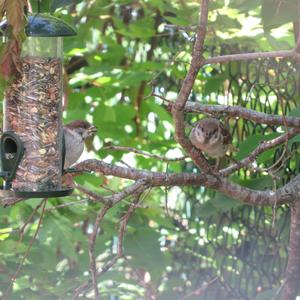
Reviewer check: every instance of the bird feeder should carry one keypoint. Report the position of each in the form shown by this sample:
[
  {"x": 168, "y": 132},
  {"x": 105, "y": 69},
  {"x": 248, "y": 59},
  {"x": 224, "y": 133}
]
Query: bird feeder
[{"x": 32, "y": 146}]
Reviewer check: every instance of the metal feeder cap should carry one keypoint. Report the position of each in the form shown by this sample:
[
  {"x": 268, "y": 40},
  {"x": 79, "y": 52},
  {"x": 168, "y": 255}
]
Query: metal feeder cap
[{"x": 44, "y": 25}]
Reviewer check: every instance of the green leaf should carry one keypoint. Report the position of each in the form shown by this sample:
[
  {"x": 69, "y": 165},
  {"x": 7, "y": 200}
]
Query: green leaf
[
  {"x": 59, "y": 3},
  {"x": 90, "y": 179},
  {"x": 60, "y": 229},
  {"x": 224, "y": 203},
  {"x": 143, "y": 246},
  {"x": 265, "y": 295},
  {"x": 245, "y": 5},
  {"x": 158, "y": 109},
  {"x": 260, "y": 183},
  {"x": 44, "y": 5},
  {"x": 213, "y": 84},
  {"x": 277, "y": 43},
  {"x": 275, "y": 13},
  {"x": 10, "y": 247},
  {"x": 295, "y": 112},
  {"x": 142, "y": 28},
  {"x": 227, "y": 22},
  {"x": 251, "y": 142},
  {"x": 207, "y": 210}
]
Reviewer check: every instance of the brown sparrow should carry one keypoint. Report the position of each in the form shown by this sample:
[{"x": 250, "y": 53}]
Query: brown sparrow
[
  {"x": 210, "y": 136},
  {"x": 75, "y": 133}
]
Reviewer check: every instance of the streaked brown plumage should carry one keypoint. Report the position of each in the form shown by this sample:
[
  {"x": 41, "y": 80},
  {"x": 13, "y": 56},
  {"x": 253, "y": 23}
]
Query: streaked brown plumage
[{"x": 210, "y": 136}]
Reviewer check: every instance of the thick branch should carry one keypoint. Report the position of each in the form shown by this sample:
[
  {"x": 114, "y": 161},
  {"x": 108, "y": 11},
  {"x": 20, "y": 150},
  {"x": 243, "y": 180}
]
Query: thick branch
[
  {"x": 242, "y": 112},
  {"x": 285, "y": 194},
  {"x": 188, "y": 83},
  {"x": 249, "y": 56}
]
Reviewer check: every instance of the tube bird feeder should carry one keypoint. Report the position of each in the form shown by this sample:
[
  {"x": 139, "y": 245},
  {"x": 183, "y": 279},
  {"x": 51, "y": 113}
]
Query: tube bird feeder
[{"x": 32, "y": 144}]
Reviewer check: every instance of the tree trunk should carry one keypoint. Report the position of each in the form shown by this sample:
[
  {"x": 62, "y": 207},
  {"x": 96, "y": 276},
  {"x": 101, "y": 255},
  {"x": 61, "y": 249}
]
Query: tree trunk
[{"x": 292, "y": 277}]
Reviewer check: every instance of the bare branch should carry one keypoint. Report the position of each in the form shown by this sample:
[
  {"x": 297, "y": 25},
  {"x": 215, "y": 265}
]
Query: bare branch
[
  {"x": 290, "y": 289},
  {"x": 200, "y": 291},
  {"x": 92, "y": 241},
  {"x": 242, "y": 112},
  {"x": 95, "y": 274},
  {"x": 249, "y": 56},
  {"x": 122, "y": 228},
  {"x": 16, "y": 274},
  {"x": 262, "y": 147},
  {"x": 63, "y": 205},
  {"x": 144, "y": 153},
  {"x": 115, "y": 198},
  {"x": 285, "y": 194},
  {"x": 22, "y": 229}
]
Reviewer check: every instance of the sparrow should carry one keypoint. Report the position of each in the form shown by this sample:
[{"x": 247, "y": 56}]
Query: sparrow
[
  {"x": 209, "y": 135},
  {"x": 75, "y": 134}
]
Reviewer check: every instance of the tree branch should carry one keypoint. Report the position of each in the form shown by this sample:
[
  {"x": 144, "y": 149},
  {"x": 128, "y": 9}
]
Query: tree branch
[
  {"x": 282, "y": 195},
  {"x": 17, "y": 272},
  {"x": 241, "y": 112},
  {"x": 249, "y": 56},
  {"x": 115, "y": 198},
  {"x": 122, "y": 228},
  {"x": 92, "y": 240},
  {"x": 144, "y": 153},
  {"x": 187, "y": 85},
  {"x": 262, "y": 147},
  {"x": 290, "y": 287}
]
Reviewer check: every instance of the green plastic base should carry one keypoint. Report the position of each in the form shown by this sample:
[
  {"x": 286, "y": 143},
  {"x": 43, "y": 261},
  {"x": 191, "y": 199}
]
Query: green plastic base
[{"x": 37, "y": 194}]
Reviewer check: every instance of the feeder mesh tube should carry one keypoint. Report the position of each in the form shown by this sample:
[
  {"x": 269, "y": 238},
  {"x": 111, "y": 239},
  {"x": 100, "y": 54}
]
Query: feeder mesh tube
[{"x": 33, "y": 110}]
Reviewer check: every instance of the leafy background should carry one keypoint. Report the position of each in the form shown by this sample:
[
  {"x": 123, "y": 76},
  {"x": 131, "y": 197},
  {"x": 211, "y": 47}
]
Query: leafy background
[{"x": 124, "y": 50}]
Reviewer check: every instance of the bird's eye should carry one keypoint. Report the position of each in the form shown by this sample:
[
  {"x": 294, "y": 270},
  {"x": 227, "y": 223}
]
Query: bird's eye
[{"x": 201, "y": 129}]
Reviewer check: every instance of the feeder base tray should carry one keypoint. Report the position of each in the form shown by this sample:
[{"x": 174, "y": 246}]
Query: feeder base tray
[{"x": 38, "y": 194}]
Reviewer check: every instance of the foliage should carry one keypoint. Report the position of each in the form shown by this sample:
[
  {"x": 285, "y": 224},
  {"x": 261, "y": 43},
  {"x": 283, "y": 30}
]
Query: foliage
[{"x": 124, "y": 50}]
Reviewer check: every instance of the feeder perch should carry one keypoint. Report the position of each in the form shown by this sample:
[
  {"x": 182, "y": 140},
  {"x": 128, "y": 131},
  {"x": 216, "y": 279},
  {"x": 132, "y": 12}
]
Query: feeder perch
[{"x": 32, "y": 143}]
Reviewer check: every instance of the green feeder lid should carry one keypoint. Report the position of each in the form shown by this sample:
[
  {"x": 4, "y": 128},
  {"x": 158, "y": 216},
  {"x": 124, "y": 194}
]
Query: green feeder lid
[{"x": 43, "y": 25}]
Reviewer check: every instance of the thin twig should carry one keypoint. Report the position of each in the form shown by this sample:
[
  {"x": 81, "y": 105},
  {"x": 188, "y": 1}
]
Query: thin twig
[
  {"x": 16, "y": 274},
  {"x": 262, "y": 147},
  {"x": 144, "y": 153},
  {"x": 125, "y": 164},
  {"x": 123, "y": 223},
  {"x": 200, "y": 291},
  {"x": 92, "y": 240},
  {"x": 22, "y": 229},
  {"x": 63, "y": 205},
  {"x": 115, "y": 198}
]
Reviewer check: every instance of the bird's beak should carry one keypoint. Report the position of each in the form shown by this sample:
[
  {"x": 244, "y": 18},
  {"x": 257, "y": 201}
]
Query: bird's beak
[{"x": 92, "y": 130}]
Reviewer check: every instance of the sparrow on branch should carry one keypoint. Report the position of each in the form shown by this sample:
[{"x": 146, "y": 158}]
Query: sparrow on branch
[
  {"x": 210, "y": 136},
  {"x": 75, "y": 134}
]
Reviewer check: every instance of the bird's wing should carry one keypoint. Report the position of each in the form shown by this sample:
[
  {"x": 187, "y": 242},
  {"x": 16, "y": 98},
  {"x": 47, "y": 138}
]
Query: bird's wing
[
  {"x": 74, "y": 147},
  {"x": 227, "y": 135}
]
